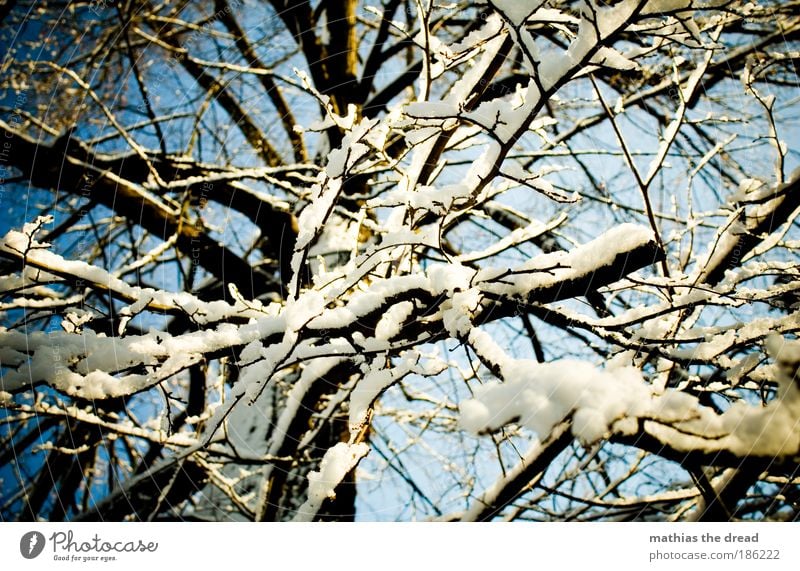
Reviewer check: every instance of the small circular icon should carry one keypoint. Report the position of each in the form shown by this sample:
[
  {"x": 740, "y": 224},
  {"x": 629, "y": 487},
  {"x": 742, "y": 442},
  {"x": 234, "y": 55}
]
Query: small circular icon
[{"x": 31, "y": 544}]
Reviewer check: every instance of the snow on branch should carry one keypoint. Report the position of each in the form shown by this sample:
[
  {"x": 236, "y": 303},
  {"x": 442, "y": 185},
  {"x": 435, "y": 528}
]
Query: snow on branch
[
  {"x": 25, "y": 249},
  {"x": 336, "y": 463},
  {"x": 616, "y": 400}
]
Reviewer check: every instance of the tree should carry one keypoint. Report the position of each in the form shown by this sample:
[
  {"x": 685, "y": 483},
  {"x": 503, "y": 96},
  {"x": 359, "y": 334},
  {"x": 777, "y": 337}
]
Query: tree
[{"x": 306, "y": 260}]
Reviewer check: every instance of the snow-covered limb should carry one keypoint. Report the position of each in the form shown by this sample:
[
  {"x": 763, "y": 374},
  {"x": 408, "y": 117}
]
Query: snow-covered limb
[
  {"x": 87, "y": 362},
  {"x": 337, "y": 462},
  {"x": 84, "y": 364},
  {"x": 22, "y": 247},
  {"x": 602, "y": 403}
]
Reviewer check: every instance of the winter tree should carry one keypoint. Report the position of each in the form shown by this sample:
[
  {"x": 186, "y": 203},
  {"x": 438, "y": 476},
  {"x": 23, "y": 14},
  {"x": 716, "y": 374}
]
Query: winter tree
[{"x": 395, "y": 259}]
